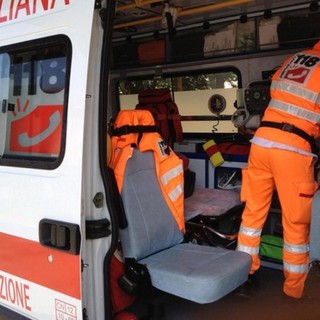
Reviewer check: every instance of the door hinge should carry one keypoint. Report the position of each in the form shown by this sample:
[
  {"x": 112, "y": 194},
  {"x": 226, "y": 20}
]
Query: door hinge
[{"x": 96, "y": 229}]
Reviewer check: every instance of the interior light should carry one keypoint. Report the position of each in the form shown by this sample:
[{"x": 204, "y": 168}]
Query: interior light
[
  {"x": 206, "y": 25},
  {"x": 267, "y": 14},
  {"x": 313, "y": 6},
  {"x": 243, "y": 18}
]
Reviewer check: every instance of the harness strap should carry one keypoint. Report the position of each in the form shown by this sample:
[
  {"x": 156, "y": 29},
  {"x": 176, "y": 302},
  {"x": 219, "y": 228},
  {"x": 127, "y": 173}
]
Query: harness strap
[
  {"x": 132, "y": 129},
  {"x": 293, "y": 129}
]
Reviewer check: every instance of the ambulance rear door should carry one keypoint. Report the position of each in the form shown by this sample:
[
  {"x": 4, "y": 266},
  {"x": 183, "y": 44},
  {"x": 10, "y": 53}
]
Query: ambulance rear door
[{"x": 44, "y": 53}]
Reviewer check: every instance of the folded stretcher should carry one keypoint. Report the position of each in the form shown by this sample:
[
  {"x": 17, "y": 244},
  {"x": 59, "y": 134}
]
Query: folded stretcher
[{"x": 213, "y": 217}]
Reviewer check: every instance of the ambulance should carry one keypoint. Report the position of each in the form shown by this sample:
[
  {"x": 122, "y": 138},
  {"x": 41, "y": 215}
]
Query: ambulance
[{"x": 66, "y": 69}]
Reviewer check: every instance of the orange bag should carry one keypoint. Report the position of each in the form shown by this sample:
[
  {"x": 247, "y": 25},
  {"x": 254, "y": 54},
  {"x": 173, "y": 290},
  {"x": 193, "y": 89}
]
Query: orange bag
[{"x": 152, "y": 52}]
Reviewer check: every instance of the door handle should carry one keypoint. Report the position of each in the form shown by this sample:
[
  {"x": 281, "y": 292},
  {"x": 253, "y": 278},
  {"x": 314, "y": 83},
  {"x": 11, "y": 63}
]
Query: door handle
[
  {"x": 4, "y": 106},
  {"x": 60, "y": 235}
]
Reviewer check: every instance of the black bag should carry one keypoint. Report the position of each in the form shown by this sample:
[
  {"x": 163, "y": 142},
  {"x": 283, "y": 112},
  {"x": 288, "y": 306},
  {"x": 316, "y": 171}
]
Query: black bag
[
  {"x": 189, "y": 182},
  {"x": 125, "y": 54},
  {"x": 182, "y": 50},
  {"x": 189, "y": 176},
  {"x": 294, "y": 32}
]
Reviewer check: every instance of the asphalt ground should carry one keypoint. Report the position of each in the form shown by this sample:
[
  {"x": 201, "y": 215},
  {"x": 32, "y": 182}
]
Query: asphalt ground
[{"x": 263, "y": 300}]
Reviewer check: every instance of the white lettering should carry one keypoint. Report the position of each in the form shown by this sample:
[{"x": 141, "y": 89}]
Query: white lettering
[{"x": 14, "y": 292}]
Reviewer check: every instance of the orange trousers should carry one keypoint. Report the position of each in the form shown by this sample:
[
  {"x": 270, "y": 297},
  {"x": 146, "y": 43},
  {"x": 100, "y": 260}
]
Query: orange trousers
[{"x": 292, "y": 175}]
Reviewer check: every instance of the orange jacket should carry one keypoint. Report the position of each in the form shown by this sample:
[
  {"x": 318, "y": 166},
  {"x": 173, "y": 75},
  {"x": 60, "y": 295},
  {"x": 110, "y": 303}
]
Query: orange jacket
[
  {"x": 168, "y": 165},
  {"x": 295, "y": 98}
]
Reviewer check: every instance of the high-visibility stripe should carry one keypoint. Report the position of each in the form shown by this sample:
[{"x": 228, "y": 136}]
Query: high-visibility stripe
[
  {"x": 247, "y": 249},
  {"x": 295, "y": 268},
  {"x": 295, "y": 110},
  {"x": 250, "y": 232},
  {"x": 171, "y": 174},
  {"x": 296, "y": 248},
  {"x": 272, "y": 144},
  {"x": 301, "y": 92},
  {"x": 31, "y": 261},
  {"x": 176, "y": 192}
]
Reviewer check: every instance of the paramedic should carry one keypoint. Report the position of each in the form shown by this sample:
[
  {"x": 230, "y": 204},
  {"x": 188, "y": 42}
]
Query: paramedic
[{"x": 282, "y": 157}]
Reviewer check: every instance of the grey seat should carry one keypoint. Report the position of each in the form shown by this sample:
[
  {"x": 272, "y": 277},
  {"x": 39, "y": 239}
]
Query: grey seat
[{"x": 152, "y": 238}]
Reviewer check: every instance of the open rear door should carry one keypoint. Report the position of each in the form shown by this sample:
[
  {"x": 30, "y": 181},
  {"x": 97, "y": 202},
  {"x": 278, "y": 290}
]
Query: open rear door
[{"x": 44, "y": 53}]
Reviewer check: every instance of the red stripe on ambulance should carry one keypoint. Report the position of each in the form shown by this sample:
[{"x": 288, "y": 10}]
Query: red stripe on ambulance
[{"x": 33, "y": 262}]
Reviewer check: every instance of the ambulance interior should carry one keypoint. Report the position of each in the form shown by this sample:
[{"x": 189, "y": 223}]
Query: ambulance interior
[
  {"x": 217, "y": 59},
  {"x": 66, "y": 81}
]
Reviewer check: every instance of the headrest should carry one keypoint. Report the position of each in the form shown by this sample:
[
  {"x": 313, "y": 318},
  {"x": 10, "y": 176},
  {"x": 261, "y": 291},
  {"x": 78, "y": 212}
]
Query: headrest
[
  {"x": 129, "y": 125},
  {"x": 134, "y": 118}
]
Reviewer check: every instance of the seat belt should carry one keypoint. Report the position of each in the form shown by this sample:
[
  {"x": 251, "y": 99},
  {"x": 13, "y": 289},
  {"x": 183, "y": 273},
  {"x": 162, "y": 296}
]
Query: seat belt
[
  {"x": 293, "y": 129},
  {"x": 133, "y": 129}
]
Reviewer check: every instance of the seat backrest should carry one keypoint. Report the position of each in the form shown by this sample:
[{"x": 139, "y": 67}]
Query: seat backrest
[
  {"x": 314, "y": 229},
  {"x": 135, "y": 129},
  {"x": 151, "y": 225}
]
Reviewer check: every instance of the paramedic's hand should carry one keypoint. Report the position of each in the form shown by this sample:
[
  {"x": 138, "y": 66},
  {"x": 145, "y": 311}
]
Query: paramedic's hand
[{"x": 245, "y": 131}]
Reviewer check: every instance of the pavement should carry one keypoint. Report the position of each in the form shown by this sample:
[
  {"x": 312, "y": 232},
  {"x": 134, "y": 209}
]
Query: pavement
[{"x": 264, "y": 300}]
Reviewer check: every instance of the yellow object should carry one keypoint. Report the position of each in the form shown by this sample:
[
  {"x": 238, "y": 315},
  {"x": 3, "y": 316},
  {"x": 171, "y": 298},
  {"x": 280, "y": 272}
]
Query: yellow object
[{"x": 212, "y": 150}]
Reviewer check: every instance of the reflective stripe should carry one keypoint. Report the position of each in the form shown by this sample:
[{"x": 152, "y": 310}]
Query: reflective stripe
[
  {"x": 271, "y": 144},
  {"x": 296, "y": 248},
  {"x": 172, "y": 173},
  {"x": 295, "y": 268},
  {"x": 295, "y": 110},
  {"x": 250, "y": 232},
  {"x": 247, "y": 249},
  {"x": 176, "y": 192},
  {"x": 296, "y": 90}
]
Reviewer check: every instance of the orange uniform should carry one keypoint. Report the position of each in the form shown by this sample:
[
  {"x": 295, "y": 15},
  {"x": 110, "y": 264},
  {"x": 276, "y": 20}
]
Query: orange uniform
[{"x": 282, "y": 156}]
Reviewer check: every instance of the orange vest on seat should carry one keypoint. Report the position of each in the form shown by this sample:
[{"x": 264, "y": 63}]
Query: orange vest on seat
[
  {"x": 168, "y": 165},
  {"x": 295, "y": 98}
]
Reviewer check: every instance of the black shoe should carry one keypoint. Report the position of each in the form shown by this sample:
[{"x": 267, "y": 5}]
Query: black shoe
[
  {"x": 253, "y": 281},
  {"x": 246, "y": 290}
]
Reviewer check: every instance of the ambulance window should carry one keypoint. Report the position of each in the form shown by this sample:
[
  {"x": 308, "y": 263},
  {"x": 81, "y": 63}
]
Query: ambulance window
[
  {"x": 206, "y": 101},
  {"x": 4, "y": 92},
  {"x": 33, "y": 97}
]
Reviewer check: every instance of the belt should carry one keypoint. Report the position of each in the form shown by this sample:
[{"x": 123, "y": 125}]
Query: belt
[{"x": 293, "y": 129}]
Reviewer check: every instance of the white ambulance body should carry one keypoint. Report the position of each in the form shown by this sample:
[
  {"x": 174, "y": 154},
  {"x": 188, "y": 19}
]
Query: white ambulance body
[
  {"x": 48, "y": 93},
  {"x": 56, "y": 230}
]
